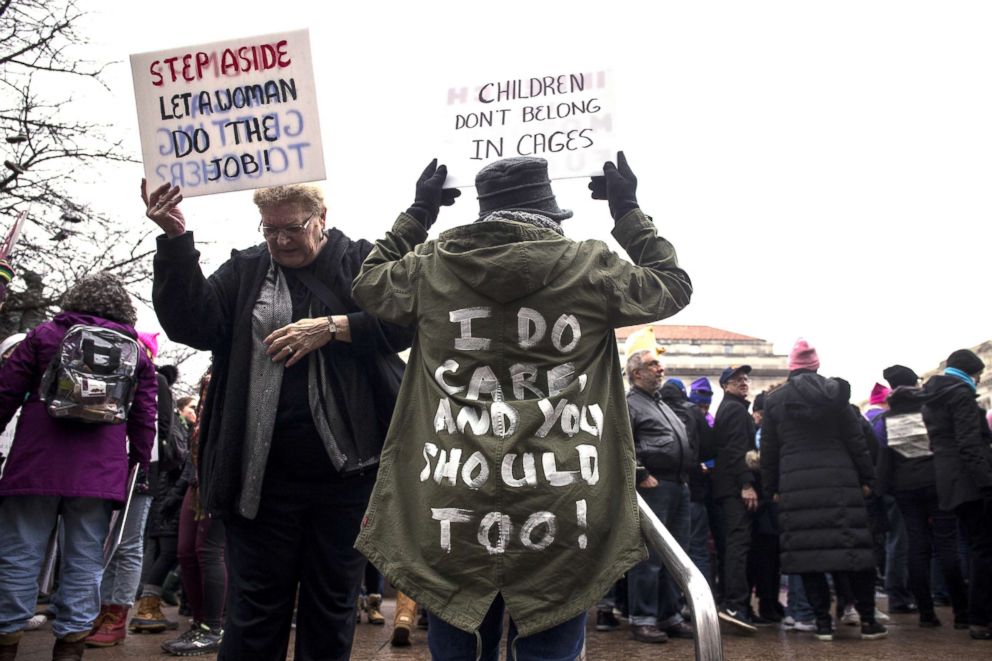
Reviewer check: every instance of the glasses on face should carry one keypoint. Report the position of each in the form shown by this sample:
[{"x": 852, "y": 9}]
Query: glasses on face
[{"x": 290, "y": 231}]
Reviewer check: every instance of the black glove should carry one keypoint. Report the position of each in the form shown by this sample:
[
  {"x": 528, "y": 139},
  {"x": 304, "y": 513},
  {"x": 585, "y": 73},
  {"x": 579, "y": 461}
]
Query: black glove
[
  {"x": 618, "y": 186},
  {"x": 431, "y": 194}
]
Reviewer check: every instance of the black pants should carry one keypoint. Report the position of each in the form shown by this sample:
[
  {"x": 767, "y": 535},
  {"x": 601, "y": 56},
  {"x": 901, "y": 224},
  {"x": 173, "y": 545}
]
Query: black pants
[
  {"x": 303, "y": 537},
  {"x": 735, "y": 522},
  {"x": 931, "y": 529},
  {"x": 862, "y": 584},
  {"x": 977, "y": 525},
  {"x": 763, "y": 574},
  {"x": 160, "y": 558}
]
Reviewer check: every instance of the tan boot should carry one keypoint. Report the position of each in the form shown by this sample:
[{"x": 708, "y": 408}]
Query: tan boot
[
  {"x": 372, "y": 604},
  {"x": 406, "y": 612},
  {"x": 148, "y": 615}
]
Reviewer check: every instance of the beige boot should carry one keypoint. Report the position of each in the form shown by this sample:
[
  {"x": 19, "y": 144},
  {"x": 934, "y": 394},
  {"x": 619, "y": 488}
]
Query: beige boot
[
  {"x": 372, "y": 604},
  {"x": 406, "y": 612}
]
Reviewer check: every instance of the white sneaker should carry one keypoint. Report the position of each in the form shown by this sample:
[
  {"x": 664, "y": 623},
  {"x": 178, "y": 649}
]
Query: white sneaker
[
  {"x": 881, "y": 617},
  {"x": 805, "y": 626},
  {"x": 35, "y": 622},
  {"x": 850, "y": 616},
  {"x": 788, "y": 623}
]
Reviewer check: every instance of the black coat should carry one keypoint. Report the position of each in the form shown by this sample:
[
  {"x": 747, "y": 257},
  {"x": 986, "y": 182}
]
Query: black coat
[
  {"x": 959, "y": 437},
  {"x": 215, "y": 314},
  {"x": 733, "y": 429},
  {"x": 895, "y": 472},
  {"x": 813, "y": 455},
  {"x": 700, "y": 437}
]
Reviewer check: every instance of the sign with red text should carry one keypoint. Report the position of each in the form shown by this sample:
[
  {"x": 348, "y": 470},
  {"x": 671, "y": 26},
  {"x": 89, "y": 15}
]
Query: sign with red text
[
  {"x": 564, "y": 117},
  {"x": 230, "y": 115}
]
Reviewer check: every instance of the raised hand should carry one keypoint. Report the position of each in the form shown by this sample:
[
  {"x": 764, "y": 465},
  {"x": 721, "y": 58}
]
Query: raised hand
[
  {"x": 431, "y": 194},
  {"x": 617, "y": 185},
  {"x": 162, "y": 206}
]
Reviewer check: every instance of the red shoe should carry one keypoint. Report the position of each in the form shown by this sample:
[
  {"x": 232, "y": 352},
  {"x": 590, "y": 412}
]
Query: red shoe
[{"x": 112, "y": 627}]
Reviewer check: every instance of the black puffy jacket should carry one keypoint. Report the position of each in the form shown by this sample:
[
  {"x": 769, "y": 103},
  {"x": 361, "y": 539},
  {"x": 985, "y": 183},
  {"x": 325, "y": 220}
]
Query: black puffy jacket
[{"x": 813, "y": 455}]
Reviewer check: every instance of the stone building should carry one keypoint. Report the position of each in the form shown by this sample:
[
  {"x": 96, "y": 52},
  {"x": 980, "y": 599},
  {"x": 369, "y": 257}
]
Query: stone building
[{"x": 695, "y": 351}]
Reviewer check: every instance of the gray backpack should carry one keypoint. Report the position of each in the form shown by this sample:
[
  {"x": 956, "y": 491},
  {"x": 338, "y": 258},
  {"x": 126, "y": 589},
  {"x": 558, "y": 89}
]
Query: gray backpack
[{"x": 92, "y": 376}]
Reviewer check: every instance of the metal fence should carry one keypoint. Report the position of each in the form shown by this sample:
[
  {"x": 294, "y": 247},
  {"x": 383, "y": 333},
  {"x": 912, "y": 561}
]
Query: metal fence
[{"x": 709, "y": 646}]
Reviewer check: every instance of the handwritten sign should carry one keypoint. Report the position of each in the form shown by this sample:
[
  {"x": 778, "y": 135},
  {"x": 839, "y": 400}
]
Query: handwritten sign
[
  {"x": 475, "y": 407},
  {"x": 229, "y": 115},
  {"x": 566, "y": 118}
]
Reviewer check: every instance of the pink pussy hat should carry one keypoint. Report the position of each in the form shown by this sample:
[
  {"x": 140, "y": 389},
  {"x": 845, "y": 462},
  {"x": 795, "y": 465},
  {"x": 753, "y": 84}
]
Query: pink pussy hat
[
  {"x": 879, "y": 394},
  {"x": 150, "y": 340},
  {"x": 803, "y": 357}
]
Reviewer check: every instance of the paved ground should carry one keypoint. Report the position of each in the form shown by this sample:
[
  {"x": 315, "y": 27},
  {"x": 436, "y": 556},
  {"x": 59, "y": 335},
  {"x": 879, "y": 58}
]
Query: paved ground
[{"x": 906, "y": 642}]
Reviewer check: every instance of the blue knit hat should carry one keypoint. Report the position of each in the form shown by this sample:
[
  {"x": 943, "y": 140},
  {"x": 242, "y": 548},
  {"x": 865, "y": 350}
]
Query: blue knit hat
[{"x": 678, "y": 383}]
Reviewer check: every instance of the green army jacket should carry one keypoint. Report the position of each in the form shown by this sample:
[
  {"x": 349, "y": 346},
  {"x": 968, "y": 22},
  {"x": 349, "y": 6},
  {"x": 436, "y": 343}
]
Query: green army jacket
[{"x": 509, "y": 464}]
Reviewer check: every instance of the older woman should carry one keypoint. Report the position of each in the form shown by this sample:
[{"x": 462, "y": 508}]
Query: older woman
[
  {"x": 302, "y": 392},
  {"x": 69, "y": 468}
]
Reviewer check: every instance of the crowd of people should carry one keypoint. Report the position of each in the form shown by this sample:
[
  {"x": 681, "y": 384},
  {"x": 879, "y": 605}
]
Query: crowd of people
[
  {"x": 800, "y": 489},
  {"x": 496, "y": 472}
]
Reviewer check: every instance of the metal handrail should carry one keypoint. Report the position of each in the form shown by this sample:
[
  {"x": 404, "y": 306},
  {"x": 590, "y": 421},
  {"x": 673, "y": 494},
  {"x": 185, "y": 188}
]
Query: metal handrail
[{"x": 706, "y": 622}]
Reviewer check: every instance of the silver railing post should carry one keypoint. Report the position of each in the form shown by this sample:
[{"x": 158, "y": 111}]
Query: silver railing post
[{"x": 706, "y": 623}]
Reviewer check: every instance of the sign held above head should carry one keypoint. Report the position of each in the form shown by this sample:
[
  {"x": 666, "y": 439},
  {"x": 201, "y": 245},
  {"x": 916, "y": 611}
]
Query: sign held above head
[
  {"x": 566, "y": 118},
  {"x": 230, "y": 115}
]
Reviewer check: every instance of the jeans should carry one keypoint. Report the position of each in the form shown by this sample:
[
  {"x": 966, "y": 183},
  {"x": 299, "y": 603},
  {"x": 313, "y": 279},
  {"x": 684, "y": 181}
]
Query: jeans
[
  {"x": 699, "y": 537},
  {"x": 931, "y": 529},
  {"x": 896, "y": 557},
  {"x": 201, "y": 556},
  {"x": 735, "y": 522},
  {"x": 653, "y": 594},
  {"x": 797, "y": 605},
  {"x": 560, "y": 643},
  {"x": 301, "y": 541},
  {"x": 27, "y": 523},
  {"x": 122, "y": 575}
]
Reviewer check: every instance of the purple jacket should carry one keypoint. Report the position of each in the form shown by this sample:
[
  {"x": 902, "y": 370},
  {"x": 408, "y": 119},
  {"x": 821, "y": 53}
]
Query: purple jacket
[{"x": 52, "y": 457}]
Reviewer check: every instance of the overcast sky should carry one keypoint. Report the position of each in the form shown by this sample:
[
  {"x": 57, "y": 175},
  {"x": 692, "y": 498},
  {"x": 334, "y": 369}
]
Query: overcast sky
[{"x": 823, "y": 169}]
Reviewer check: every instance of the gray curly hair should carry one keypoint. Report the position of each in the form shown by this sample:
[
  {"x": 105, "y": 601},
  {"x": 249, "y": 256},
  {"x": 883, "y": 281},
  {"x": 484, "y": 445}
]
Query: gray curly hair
[
  {"x": 103, "y": 295},
  {"x": 306, "y": 195}
]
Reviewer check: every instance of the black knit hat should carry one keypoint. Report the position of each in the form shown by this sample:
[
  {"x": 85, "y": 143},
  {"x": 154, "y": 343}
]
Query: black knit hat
[
  {"x": 900, "y": 375},
  {"x": 521, "y": 184},
  {"x": 759, "y": 402},
  {"x": 966, "y": 361}
]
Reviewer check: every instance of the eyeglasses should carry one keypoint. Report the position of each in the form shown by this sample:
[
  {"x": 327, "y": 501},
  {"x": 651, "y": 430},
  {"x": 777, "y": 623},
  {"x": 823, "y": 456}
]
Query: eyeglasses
[
  {"x": 291, "y": 231},
  {"x": 740, "y": 380}
]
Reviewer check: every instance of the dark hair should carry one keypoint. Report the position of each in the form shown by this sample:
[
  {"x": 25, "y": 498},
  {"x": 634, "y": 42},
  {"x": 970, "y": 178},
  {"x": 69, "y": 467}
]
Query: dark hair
[
  {"x": 183, "y": 402},
  {"x": 102, "y": 295},
  {"x": 170, "y": 372}
]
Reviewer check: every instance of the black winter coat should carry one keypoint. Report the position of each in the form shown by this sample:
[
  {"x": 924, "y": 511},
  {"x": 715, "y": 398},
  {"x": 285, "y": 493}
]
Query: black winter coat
[
  {"x": 733, "y": 429},
  {"x": 813, "y": 455},
  {"x": 215, "y": 314},
  {"x": 959, "y": 437},
  {"x": 895, "y": 472},
  {"x": 700, "y": 437}
]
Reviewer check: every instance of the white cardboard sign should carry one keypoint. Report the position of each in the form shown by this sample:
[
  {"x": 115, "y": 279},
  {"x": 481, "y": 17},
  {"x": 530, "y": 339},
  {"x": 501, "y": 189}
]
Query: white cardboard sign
[
  {"x": 566, "y": 118},
  {"x": 229, "y": 115}
]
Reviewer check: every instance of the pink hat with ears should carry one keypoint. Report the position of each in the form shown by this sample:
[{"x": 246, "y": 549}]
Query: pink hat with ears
[
  {"x": 150, "y": 340},
  {"x": 803, "y": 357},
  {"x": 879, "y": 394}
]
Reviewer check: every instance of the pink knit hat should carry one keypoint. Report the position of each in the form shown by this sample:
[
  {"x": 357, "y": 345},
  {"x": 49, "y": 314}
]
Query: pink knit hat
[
  {"x": 150, "y": 340},
  {"x": 803, "y": 357},
  {"x": 879, "y": 394}
]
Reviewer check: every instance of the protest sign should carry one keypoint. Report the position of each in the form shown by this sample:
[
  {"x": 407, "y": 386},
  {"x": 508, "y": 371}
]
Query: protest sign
[
  {"x": 566, "y": 118},
  {"x": 229, "y": 115}
]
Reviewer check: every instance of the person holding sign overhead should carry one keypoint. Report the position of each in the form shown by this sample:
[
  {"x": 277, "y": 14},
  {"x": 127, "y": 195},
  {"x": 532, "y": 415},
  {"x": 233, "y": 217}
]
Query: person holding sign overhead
[
  {"x": 301, "y": 394},
  {"x": 509, "y": 485}
]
